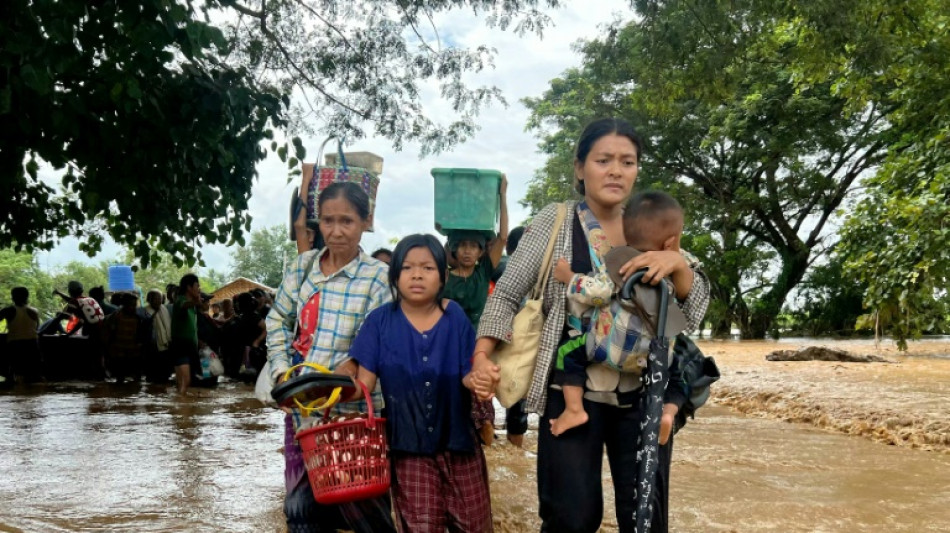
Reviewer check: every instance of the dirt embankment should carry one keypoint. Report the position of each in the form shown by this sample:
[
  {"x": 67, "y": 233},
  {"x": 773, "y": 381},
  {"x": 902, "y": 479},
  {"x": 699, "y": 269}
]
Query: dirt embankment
[{"x": 903, "y": 404}]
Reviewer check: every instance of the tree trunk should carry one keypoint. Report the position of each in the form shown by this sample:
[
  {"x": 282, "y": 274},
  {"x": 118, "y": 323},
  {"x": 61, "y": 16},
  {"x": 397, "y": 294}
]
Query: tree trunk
[
  {"x": 763, "y": 313},
  {"x": 722, "y": 328}
]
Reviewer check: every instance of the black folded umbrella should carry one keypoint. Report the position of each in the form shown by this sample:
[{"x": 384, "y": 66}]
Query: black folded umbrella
[{"x": 655, "y": 378}]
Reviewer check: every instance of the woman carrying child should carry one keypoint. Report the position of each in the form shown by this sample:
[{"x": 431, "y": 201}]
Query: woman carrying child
[
  {"x": 569, "y": 465},
  {"x": 606, "y": 329},
  {"x": 419, "y": 347}
]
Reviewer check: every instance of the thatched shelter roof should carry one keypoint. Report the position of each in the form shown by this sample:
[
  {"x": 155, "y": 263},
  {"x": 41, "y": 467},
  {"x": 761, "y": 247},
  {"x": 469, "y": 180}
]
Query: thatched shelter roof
[{"x": 236, "y": 287}]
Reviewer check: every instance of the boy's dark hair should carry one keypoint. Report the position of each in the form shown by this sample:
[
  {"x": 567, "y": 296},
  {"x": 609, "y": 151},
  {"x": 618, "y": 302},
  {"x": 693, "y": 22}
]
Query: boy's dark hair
[
  {"x": 417, "y": 240},
  {"x": 97, "y": 293},
  {"x": 20, "y": 295},
  {"x": 649, "y": 205},
  {"x": 514, "y": 237},
  {"x": 186, "y": 281},
  {"x": 601, "y": 128},
  {"x": 245, "y": 303},
  {"x": 375, "y": 255},
  {"x": 353, "y": 193},
  {"x": 74, "y": 289}
]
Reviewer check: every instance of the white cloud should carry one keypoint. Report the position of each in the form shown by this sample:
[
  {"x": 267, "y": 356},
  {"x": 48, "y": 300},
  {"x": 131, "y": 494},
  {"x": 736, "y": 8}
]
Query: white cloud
[{"x": 523, "y": 68}]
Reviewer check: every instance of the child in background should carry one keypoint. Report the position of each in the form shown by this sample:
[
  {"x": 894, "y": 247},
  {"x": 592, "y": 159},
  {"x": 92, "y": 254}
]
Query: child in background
[
  {"x": 124, "y": 339},
  {"x": 419, "y": 348},
  {"x": 652, "y": 221},
  {"x": 22, "y": 349}
]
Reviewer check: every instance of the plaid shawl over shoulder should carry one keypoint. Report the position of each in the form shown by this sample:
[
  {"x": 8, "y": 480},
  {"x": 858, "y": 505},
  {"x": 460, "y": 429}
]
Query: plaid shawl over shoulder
[
  {"x": 521, "y": 273},
  {"x": 520, "y": 276}
]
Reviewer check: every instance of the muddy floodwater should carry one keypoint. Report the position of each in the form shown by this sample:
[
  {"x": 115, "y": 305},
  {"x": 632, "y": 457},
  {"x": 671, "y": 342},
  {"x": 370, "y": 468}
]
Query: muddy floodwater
[{"x": 807, "y": 446}]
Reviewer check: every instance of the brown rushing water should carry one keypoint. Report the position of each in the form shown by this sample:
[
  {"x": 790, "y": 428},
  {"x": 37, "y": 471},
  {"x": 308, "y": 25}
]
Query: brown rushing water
[{"x": 101, "y": 457}]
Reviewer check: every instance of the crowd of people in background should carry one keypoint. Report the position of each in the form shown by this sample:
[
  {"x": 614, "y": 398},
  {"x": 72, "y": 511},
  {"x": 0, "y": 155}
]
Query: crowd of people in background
[{"x": 133, "y": 340}]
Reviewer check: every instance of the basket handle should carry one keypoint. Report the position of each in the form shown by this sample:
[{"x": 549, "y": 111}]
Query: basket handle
[
  {"x": 339, "y": 151},
  {"x": 319, "y": 162},
  {"x": 371, "y": 419}
]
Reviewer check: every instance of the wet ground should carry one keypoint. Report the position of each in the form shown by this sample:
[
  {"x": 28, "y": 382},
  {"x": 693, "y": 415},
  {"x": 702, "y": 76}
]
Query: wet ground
[
  {"x": 82, "y": 457},
  {"x": 904, "y": 403},
  {"x": 103, "y": 457}
]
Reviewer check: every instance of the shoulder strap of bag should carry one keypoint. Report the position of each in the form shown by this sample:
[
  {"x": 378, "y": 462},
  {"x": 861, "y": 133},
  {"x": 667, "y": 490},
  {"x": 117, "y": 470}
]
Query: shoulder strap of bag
[
  {"x": 542, "y": 282},
  {"x": 306, "y": 274}
]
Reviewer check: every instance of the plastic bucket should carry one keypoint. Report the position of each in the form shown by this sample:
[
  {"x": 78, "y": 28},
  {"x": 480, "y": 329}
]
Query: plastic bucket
[
  {"x": 121, "y": 278},
  {"x": 466, "y": 198}
]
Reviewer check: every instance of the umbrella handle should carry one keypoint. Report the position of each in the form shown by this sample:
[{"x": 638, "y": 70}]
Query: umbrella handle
[{"x": 626, "y": 292}]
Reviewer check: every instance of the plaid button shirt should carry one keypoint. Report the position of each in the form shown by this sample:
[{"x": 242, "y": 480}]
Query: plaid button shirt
[
  {"x": 346, "y": 297},
  {"x": 521, "y": 273}
]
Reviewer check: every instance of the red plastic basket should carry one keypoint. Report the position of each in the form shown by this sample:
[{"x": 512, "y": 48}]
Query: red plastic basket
[{"x": 347, "y": 461}]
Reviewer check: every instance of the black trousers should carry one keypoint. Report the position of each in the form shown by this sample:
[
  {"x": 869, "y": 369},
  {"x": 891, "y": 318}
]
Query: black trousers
[
  {"x": 570, "y": 493},
  {"x": 661, "y": 496},
  {"x": 516, "y": 419}
]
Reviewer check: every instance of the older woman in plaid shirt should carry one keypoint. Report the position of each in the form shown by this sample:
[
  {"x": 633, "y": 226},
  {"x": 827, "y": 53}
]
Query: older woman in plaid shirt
[
  {"x": 334, "y": 288},
  {"x": 569, "y": 466}
]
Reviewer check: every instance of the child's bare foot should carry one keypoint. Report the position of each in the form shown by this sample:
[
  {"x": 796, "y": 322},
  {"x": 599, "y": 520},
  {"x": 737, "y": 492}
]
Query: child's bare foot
[{"x": 568, "y": 420}]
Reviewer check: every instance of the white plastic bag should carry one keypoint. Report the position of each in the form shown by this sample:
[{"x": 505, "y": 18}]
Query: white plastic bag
[
  {"x": 265, "y": 384},
  {"x": 211, "y": 365},
  {"x": 216, "y": 366}
]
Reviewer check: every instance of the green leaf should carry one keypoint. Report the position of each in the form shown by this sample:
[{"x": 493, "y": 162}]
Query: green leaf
[{"x": 133, "y": 90}]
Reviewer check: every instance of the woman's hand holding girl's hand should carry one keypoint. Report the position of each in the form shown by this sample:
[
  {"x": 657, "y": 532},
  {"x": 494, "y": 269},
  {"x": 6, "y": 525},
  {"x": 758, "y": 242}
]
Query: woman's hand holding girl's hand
[
  {"x": 485, "y": 376},
  {"x": 481, "y": 385},
  {"x": 563, "y": 272}
]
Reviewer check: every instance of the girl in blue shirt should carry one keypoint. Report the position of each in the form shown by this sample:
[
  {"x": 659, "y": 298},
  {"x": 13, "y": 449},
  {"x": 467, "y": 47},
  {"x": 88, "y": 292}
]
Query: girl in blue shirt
[{"x": 418, "y": 347}]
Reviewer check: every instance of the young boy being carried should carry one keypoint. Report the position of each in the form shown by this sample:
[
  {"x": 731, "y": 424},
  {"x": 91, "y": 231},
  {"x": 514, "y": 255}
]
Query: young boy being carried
[{"x": 618, "y": 333}]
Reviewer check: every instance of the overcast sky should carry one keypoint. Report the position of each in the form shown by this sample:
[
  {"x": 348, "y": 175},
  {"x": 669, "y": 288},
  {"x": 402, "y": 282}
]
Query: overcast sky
[{"x": 523, "y": 68}]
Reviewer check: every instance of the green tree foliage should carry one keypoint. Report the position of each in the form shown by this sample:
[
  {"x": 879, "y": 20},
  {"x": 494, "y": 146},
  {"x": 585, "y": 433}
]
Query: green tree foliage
[
  {"x": 760, "y": 162},
  {"x": 21, "y": 269},
  {"x": 262, "y": 260},
  {"x": 144, "y": 120},
  {"x": 152, "y": 137},
  {"x": 362, "y": 65},
  {"x": 158, "y": 273},
  {"x": 829, "y": 301},
  {"x": 215, "y": 279},
  {"x": 897, "y": 240}
]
